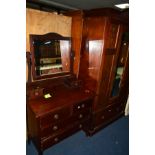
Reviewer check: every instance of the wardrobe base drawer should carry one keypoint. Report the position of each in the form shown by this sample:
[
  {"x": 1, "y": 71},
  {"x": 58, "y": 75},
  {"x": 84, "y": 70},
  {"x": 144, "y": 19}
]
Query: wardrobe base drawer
[
  {"x": 97, "y": 127},
  {"x": 106, "y": 114}
]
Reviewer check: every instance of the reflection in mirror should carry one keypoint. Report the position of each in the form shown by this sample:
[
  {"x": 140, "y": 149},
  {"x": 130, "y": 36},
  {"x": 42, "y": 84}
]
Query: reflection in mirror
[
  {"x": 117, "y": 81},
  {"x": 50, "y": 55},
  {"x": 120, "y": 65}
]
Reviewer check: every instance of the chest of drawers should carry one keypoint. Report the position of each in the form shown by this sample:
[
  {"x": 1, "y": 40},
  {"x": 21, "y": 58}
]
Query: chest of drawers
[{"x": 51, "y": 120}]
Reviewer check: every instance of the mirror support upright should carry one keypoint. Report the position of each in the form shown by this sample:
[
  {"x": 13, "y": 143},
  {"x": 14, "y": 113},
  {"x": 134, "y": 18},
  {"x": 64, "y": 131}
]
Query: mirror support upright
[{"x": 28, "y": 59}]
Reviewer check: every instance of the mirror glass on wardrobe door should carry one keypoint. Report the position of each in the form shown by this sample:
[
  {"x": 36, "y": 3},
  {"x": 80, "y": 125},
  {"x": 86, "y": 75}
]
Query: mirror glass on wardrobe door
[{"x": 120, "y": 65}]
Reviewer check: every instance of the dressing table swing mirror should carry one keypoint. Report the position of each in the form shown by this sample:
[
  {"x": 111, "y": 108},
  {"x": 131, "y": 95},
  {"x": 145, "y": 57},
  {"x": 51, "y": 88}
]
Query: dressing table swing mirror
[
  {"x": 51, "y": 55},
  {"x": 57, "y": 105}
]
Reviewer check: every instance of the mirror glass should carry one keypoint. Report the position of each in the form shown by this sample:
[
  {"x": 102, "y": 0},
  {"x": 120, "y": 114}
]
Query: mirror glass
[
  {"x": 120, "y": 65},
  {"x": 50, "y": 56},
  {"x": 117, "y": 81}
]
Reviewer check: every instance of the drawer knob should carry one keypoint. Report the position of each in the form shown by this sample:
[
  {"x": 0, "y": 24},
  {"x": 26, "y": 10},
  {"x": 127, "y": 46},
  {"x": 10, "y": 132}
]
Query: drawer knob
[
  {"x": 82, "y": 105},
  {"x": 109, "y": 110},
  {"x": 80, "y": 116},
  {"x": 56, "y": 139},
  {"x": 55, "y": 127},
  {"x": 56, "y": 116},
  {"x": 80, "y": 126},
  {"x": 78, "y": 107},
  {"x": 102, "y": 117}
]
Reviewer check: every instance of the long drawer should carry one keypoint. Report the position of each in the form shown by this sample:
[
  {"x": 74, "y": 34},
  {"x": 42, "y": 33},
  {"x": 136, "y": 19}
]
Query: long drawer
[
  {"x": 64, "y": 113},
  {"x": 55, "y": 116},
  {"x": 54, "y": 128},
  {"x": 53, "y": 139}
]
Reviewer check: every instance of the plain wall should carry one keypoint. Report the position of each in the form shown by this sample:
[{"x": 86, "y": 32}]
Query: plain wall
[{"x": 41, "y": 22}]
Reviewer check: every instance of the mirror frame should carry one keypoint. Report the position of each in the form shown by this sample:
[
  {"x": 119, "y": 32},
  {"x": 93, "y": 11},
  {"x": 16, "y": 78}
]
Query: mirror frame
[{"x": 47, "y": 37}]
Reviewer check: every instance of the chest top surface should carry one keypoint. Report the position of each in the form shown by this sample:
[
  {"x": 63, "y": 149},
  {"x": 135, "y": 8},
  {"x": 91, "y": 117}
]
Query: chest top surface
[{"x": 61, "y": 96}]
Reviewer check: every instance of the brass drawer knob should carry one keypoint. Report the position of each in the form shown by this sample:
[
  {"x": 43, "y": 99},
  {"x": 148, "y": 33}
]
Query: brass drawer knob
[
  {"x": 56, "y": 139},
  {"x": 82, "y": 105},
  {"x": 80, "y": 126},
  {"x": 80, "y": 116},
  {"x": 78, "y": 107},
  {"x": 56, "y": 116},
  {"x": 102, "y": 117},
  {"x": 55, "y": 127}
]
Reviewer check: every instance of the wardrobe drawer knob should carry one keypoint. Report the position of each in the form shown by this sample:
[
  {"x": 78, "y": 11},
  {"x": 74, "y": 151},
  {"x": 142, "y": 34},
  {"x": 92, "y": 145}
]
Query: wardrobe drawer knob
[
  {"x": 56, "y": 116},
  {"x": 56, "y": 139},
  {"x": 102, "y": 117},
  {"x": 80, "y": 116},
  {"x": 80, "y": 126},
  {"x": 55, "y": 127},
  {"x": 82, "y": 105}
]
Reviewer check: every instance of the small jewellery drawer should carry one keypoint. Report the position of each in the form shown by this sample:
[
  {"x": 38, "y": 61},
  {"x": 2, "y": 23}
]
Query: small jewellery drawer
[
  {"x": 82, "y": 105},
  {"x": 82, "y": 114},
  {"x": 55, "y": 116}
]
